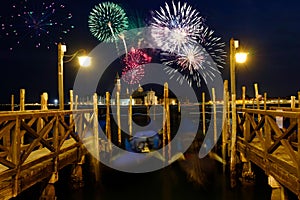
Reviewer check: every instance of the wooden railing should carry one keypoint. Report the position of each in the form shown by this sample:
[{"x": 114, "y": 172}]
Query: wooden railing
[
  {"x": 270, "y": 139},
  {"x": 30, "y": 138}
]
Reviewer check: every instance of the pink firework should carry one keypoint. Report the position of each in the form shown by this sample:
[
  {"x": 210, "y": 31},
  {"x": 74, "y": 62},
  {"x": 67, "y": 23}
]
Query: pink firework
[
  {"x": 136, "y": 57},
  {"x": 134, "y": 60},
  {"x": 133, "y": 75}
]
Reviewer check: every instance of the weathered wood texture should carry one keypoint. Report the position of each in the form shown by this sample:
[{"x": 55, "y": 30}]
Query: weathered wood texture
[
  {"x": 269, "y": 138},
  {"x": 43, "y": 150}
]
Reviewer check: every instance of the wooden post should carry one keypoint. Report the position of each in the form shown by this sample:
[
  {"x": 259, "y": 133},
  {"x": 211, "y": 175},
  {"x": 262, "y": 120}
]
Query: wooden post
[
  {"x": 76, "y": 102},
  {"x": 233, "y": 144},
  {"x": 96, "y": 138},
  {"x": 130, "y": 116},
  {"x": 244, "y": 96},
  {"x": 107, "y": 124},
  {"x": 44, "y": 106},
  {"x": 166, "y": 122},
  {"x": 214, "y": 116},
  {"x": 16, "y": 153},
  {"x": 203, "y": 114},
  {"x": 224, "y": 121},
  {"x": 256, "y": 95},
  {"x": 12, "y": 104},
  {"x": 118, "y": 118},
  {"x": 71, "y": 100},
  {"x": 299, "y": 99},
  {"x": 293, "y": 102},
  {"x": 265, "y": 101},
  {"x": 22, "y": 99},
  {"x": 49, "y": 191}
]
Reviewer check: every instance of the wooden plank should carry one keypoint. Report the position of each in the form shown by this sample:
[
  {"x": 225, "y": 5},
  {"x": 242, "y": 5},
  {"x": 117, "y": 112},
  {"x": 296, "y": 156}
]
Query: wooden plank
[
  {"x": 290, "y": 152},
  {"x": 286, "y": 133}
]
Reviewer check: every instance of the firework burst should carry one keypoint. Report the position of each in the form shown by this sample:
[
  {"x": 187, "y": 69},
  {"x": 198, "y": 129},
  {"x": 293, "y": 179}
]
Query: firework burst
[
  {"x": 107, "y": 21},
  {"x": 213, "y": 45},
  {"x": 40, "y": 23},
  {"x": 134, "y": 61},
  {"x": 193, "y": 62},
  {"x": 175, "y": 26}
]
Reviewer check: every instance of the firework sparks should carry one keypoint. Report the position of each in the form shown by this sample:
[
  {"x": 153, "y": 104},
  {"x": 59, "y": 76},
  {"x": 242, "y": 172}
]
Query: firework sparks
[
  {"x": 43, "y": 24},
  {"x": 107, "y": 20},
  {"x": 175, "y": 26},
  {"x": 213, "y": 45},
  {"x": 133, "y": 75},
  {"x": 134, "y": 61},
  {"x": 187, "y": 44},
  {"x": 193, "y": 62}
]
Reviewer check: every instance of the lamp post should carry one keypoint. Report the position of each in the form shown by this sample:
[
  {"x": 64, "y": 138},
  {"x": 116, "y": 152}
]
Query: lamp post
[
  {"x": 84, "y": 61},
  {"x": 239, "y": 58}
]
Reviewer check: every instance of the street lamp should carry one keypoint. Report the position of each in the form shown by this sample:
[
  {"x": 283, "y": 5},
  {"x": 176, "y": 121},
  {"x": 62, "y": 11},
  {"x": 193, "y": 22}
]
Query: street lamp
[
  {"x": 235, "y": 57},
  {"x": 84, "y": 61}
]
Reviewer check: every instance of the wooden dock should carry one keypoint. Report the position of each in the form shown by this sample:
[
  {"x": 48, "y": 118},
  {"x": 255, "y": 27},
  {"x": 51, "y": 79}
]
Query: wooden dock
[
  {"x": 270, "y": 139},
  {"x": 35, "y": 145}
]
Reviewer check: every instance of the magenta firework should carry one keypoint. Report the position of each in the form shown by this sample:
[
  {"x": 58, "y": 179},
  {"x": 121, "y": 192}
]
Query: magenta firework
[
  {"x": 41, "y": 23},
  {"x": 134, "y": 62}
]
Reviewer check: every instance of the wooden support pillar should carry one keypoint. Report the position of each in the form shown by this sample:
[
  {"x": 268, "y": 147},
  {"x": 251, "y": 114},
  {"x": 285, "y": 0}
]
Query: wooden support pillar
[
  {"x": 130, "y": 116},
  {"x": 107, "y": 120},
  {"x": 214, "y": 117},
  {"x": 256, "y": 95},
  {"x": 119, "y": 118},
  {"x": 96, "y": 157},
  {"x": 265, "y": 101},
  {"x": 22, "y": 99},
  {"x": 233, "y": 144},
  {"x": 203, "y": 114},
  {"x": 224, "y": 127},
  {"x": 299, "y": 99},
  {"x": 293, "y": 102},
  {"x": 278, "y": 191},
  {"x": 12, "y": 104},
  {"x": 244, "y": 96},
  {"x": 77, "y": 175},
  {"x": 16, "y": 149},
  {"x": 49, "y": 191}
]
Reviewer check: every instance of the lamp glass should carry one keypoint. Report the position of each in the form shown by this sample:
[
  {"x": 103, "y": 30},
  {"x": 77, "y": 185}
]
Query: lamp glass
[
  {"x": 240, "y": 57},
  {"x": 84, "y": 61}
]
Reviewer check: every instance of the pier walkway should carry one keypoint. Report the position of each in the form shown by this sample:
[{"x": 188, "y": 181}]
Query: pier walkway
[
  {"x": 35, "y": 145},
  {"x": 270, "y": 139}
]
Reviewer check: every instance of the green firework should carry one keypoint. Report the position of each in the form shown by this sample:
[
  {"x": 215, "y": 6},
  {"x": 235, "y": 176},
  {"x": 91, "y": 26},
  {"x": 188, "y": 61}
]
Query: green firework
[{"x": 107, "y": 20}]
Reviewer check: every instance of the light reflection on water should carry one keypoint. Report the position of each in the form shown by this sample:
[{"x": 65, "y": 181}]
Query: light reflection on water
[{"x": 170, "y": 183}]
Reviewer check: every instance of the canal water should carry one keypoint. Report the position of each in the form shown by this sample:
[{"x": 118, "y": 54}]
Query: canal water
[{"x": 170, "y": 183}]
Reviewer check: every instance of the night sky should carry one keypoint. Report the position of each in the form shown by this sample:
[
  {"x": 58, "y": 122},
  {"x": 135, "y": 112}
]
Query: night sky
[{"x": 268, "y": 30}]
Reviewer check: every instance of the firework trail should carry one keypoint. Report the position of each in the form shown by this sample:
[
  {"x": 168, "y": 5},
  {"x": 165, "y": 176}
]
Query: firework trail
[{"x": 40, "y": 23}]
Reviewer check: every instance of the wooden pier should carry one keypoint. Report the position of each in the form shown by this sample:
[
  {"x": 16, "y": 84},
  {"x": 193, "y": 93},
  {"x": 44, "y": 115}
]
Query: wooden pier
[
  {"x": 35, "y": 145},
  {"x": 270, "y": 139}
]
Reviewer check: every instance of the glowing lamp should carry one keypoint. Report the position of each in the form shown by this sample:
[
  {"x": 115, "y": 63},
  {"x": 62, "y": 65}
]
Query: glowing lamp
[
  {"x": 84, "y": 61},
  {"x": 241, "y": 57}
]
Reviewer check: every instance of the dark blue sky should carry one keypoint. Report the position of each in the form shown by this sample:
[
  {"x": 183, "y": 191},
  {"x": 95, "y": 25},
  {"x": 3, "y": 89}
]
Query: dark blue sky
[{"x": 269, "y": 30}]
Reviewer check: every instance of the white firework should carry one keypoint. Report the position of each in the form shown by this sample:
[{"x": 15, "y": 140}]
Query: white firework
[
  {"x": 175, "y": 26},
  {"x": 193, "y": 62}
]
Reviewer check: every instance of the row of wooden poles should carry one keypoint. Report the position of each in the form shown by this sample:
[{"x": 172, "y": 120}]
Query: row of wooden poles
[
  {"x": 228, "y": 129},
  {"x": 166, "y": 124}
]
